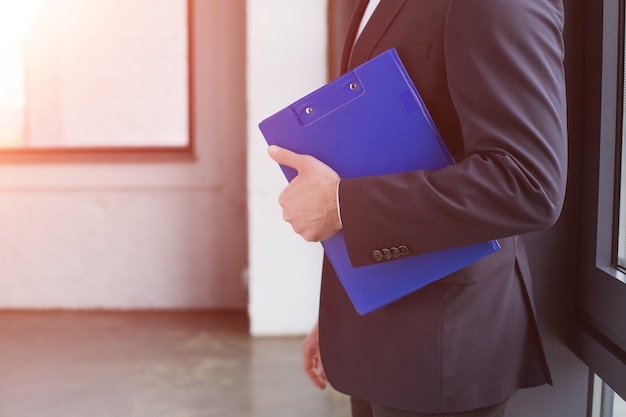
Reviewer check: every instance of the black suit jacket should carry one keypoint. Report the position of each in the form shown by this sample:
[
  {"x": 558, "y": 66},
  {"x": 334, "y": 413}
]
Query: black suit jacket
[{"x": 491, "y": 74}]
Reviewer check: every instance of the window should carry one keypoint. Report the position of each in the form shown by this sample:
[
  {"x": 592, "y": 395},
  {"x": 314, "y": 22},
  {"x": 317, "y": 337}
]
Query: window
[
  {"x": 94, "y": 74},
  {"x": 602, "y": 341},
  {"x": 621, "y": 240},
  {"x": 15, "y": 20},
  {"x": 605, "y": 402}
]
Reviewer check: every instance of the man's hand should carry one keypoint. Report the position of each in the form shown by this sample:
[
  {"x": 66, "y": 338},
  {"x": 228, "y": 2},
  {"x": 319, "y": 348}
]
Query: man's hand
[
  {"x": 310, "y": 200},
  {"x": 311, "y": 359}
]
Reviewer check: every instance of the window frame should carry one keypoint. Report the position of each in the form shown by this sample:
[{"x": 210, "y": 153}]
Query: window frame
[{"x": 601, "y": 343}]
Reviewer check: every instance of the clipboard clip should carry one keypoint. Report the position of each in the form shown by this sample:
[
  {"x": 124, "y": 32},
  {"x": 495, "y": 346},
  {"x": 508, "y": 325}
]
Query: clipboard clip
[{"x": 322, "y": 102}]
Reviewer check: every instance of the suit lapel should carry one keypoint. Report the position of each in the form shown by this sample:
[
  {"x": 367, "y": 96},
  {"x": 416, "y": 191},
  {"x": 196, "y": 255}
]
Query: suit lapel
[
  {"x": 357, "y": 15},
  {"x": 376, "y": 27}
]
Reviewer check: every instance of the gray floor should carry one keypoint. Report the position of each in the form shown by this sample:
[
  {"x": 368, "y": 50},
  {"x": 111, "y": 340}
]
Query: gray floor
[{"x": 174, "y": 364}]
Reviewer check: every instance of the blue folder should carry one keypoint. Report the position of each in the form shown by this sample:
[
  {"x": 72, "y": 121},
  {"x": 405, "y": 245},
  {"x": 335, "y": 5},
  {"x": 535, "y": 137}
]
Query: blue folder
[{"x": 372, "y": 121}]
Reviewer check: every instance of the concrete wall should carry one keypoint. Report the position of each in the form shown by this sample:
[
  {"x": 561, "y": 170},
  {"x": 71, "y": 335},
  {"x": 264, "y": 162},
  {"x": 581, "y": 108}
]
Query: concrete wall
[
  {"x": 286, "y": 60},
  {"x": 113, "y": 231}
]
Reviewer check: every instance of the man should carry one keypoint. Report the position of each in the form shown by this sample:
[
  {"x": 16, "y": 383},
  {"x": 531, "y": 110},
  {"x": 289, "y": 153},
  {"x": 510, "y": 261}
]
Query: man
[{"x": 491, "y": 74}]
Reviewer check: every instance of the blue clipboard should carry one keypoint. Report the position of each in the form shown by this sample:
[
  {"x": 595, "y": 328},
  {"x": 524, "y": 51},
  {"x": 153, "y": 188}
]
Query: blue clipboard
[{"x": 372, "y": 121}]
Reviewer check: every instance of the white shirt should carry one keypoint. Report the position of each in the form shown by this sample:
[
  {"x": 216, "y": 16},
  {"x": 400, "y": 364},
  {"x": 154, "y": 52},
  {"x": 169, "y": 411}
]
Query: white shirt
[{"x": 366, "y": 16}]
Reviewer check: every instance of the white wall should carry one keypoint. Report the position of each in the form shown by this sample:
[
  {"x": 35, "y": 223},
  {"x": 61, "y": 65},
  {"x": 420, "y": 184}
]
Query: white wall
[
  {"x": 286, "y": 60},
  {"x": 132, "y": 232},
  {"x": 100, "y": 233}
]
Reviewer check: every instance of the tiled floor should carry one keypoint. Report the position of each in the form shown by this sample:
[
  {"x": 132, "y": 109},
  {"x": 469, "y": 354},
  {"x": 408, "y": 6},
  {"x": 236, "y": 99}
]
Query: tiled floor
[{"x": 169, "y": 364}]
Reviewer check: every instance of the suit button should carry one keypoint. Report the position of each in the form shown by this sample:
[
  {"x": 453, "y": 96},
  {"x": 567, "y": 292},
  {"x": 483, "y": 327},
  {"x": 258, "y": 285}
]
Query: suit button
[
  {"x": 404, "y": 251},
  {"x": 377, "y": 255},
  {"x": 387, "y": 253},
  {"x": 395, "y": 252}
]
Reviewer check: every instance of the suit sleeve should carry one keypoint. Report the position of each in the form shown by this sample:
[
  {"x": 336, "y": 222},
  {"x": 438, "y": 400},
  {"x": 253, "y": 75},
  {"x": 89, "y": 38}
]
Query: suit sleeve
[{"x": 504, "y": 69}]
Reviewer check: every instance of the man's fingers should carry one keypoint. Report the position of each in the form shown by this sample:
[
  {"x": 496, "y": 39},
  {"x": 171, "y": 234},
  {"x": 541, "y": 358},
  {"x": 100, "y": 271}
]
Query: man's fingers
[
  {"x": 318, "y": 377},
  {"x": 311, "y": 359},
  {"x": 287, "y": 158}
]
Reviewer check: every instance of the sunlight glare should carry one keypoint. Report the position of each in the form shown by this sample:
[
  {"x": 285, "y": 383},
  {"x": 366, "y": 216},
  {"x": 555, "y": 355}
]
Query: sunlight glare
[{"x": 16, "y": 17}]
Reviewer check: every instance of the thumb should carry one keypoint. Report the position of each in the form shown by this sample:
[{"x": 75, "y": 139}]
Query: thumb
[{"x": 287, "y": 158}]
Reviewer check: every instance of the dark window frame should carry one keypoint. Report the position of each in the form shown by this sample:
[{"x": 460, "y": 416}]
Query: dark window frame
[{"x": 601, "y": 343}]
